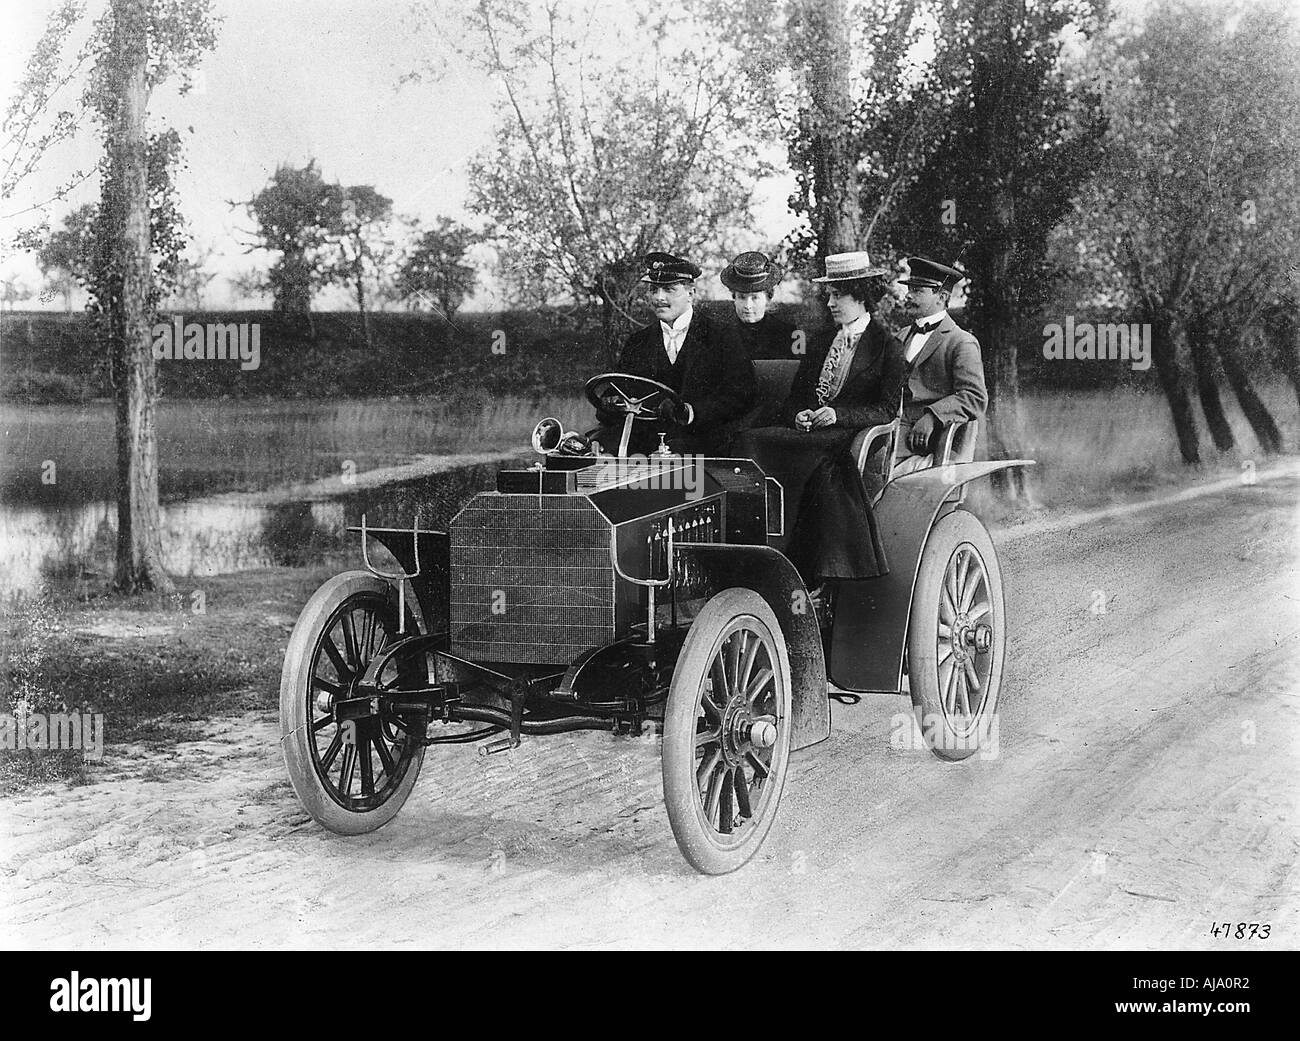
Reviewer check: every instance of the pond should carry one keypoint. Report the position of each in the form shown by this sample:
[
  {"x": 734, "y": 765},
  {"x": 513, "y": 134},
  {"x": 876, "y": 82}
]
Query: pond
[{"x": 246, "y": 484}]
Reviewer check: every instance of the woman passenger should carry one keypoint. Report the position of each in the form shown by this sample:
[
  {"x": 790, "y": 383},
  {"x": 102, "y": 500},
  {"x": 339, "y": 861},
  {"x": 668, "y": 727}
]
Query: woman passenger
[
  {"x": 752, "y": 278},
  {"x": 850, "y": 380}
]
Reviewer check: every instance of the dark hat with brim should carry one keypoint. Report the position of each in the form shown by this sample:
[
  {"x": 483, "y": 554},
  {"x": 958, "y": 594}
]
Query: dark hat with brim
[
  {"x": 664, "y": 269},
  {"x": 844, "y": 267},
  {"x": 752, "y": 272},
  {"x": 924, "y": 273}
]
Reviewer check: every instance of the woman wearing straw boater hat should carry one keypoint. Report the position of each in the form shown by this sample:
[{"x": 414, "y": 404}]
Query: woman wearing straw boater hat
[
  {"x": 752, "y": 278},
  {"x": 851, "y": 380}
]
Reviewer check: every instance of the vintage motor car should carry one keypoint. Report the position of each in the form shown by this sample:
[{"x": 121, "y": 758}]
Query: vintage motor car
[{"x": 616, "y": 593}]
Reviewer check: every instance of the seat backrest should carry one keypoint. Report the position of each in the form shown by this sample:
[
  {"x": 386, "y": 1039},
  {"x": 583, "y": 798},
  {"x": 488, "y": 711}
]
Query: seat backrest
[{"x": 775, "y": 377}]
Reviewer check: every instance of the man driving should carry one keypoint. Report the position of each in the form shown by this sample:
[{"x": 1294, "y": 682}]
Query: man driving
[{"x": 699, "y": 357}]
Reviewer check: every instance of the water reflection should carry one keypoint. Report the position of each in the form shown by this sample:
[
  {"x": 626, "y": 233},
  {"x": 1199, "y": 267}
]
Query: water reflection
[{"x": 220, "y": 535}]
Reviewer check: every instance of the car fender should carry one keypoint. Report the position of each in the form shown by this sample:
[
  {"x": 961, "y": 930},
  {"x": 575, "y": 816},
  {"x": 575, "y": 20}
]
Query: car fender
[
  {"x": 872, "y": 614},
  {"x": 432, "y": 578},
  {"x": 769, "y": 574}
]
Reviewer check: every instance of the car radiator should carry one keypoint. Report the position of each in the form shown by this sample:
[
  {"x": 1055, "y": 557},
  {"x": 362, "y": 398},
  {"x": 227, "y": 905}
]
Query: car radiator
[{"x": 531, "y": 579}]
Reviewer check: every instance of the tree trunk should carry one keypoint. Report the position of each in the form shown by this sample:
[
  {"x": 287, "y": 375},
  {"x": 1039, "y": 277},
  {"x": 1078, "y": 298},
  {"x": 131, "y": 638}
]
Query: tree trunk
[
  {"x": 837, "y": 214},
  {"x": 1164, "y": 352},
  {"x": 1256, "y": 412},
  {"x": 126, "y": 199},
  {"x": 994, "y": 318},
  {"x": 1002, "y": 376},
  {"x": 1283, "y": 329},
  {"x": 1207, "y": 386},
  {"x": 361, "y": 303}
]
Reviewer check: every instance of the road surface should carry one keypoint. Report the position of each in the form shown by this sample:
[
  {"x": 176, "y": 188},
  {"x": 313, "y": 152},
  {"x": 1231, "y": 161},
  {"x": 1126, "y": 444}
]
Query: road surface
[{"x": 1144, "y": 788}]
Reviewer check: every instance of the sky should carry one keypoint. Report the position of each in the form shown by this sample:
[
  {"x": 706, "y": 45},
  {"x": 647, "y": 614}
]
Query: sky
[{"x": 290, "y": 80}]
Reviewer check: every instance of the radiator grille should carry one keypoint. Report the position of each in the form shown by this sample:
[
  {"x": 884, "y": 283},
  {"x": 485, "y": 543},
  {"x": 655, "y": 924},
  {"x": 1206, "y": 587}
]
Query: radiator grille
[{"x": 531, "y": 579}]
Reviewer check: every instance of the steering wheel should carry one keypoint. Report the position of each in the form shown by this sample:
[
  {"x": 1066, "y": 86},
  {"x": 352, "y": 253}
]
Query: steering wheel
[{"x": 637, "y": 396}]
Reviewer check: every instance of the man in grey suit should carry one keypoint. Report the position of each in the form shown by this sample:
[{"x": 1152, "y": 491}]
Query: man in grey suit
[{"x": 945, "y": 374}]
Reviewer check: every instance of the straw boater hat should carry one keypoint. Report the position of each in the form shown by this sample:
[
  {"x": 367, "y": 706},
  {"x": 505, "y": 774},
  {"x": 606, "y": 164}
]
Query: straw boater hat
[
  {"x": 752, "y": 272},
  {"x": 925, "y": 273},
  {"x": 843, "y": 267},
  {"x": 664, "y": 269}
]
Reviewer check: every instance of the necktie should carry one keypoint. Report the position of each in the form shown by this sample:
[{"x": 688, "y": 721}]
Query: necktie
[
  {"x": 912, "y": 347},
  {"x": 674, "y": 343},
  {"x": 830, "y": 370}
]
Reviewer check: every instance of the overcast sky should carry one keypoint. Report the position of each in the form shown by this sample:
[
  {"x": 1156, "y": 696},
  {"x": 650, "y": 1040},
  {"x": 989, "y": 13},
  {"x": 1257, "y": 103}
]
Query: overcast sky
[{"x": 289, "y": 80}]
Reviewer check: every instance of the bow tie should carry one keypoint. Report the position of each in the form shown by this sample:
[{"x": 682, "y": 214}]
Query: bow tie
[{"x": 917, "y": 327}]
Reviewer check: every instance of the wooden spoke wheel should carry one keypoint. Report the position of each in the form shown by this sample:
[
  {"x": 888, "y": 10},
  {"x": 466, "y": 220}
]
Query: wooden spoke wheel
[
  {"x": 727, "y": 732},
  {"x": 956, "y": 639},
  {"x": 351, "y": 775}
]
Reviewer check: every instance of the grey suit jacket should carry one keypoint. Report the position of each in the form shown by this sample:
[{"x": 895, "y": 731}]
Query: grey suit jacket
[{"x": 947, "y": 377}]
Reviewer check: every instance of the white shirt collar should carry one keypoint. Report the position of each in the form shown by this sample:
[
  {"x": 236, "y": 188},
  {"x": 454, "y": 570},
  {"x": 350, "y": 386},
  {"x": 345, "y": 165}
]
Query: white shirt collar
[
  {"x": 858, "y": 326},
  {"x": 679, "y": 325},
  {"x": 930, "y": 323}
]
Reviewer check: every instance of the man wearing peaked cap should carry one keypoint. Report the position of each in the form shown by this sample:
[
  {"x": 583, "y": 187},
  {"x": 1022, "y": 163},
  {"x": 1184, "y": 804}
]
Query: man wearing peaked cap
[
  {"x": 664, "y": 269},
  {"x": 945, "y": 373},
  {"x": 698, "y": 356},
  {"x": 927, "y": 273}
]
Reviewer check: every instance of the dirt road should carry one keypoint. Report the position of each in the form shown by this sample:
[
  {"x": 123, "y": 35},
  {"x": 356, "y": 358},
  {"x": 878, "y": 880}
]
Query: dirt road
[{"x": 1145, "y": 788}]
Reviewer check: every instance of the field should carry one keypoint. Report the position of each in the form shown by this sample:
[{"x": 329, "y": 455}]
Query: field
[{"x": 1092, "y": 446}]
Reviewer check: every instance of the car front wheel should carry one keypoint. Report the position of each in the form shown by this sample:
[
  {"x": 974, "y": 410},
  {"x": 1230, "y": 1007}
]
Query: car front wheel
[{"x": 726, "y": 741}]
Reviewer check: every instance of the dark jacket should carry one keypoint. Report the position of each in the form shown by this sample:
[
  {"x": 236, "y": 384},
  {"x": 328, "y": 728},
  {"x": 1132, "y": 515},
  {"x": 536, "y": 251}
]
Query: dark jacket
[
  {"x": 873, "y": 390},
  {"x": 713, "y": 374},
  {"x": 768, "y": 338},
  {"x": 947, "y": 377}
]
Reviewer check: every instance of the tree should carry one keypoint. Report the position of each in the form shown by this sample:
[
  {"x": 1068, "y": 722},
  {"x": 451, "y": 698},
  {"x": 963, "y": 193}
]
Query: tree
[
  {"x": 297, "y": 215},
  {"x": 363, "y": 218},
  {"x": 13, "y": 291},
  {"x": 1018, "y": 136},
  {"x": 1196, "y": 207},
  {"x": 597, "y": 159},
  {"x": 826, "y": 77},
  {"x": 191, "y": 279},
  {"x": 142, "y": 43},
  {"x": 67, "y": 257},
  {"x": 850, "y": 152},
  {"x": 33, "y": 123},
  {"x": 134, "y": 46},
  {"x": 829, "y": 154},
  {"x": 434, "y": 268}
]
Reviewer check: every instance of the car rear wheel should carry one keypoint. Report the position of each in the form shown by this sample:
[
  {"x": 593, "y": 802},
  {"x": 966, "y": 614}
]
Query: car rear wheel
[
  {"x": 352, "y": 775},
  {"x": 726, "y": 741},
  {"x": 956, "y": 638}
]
